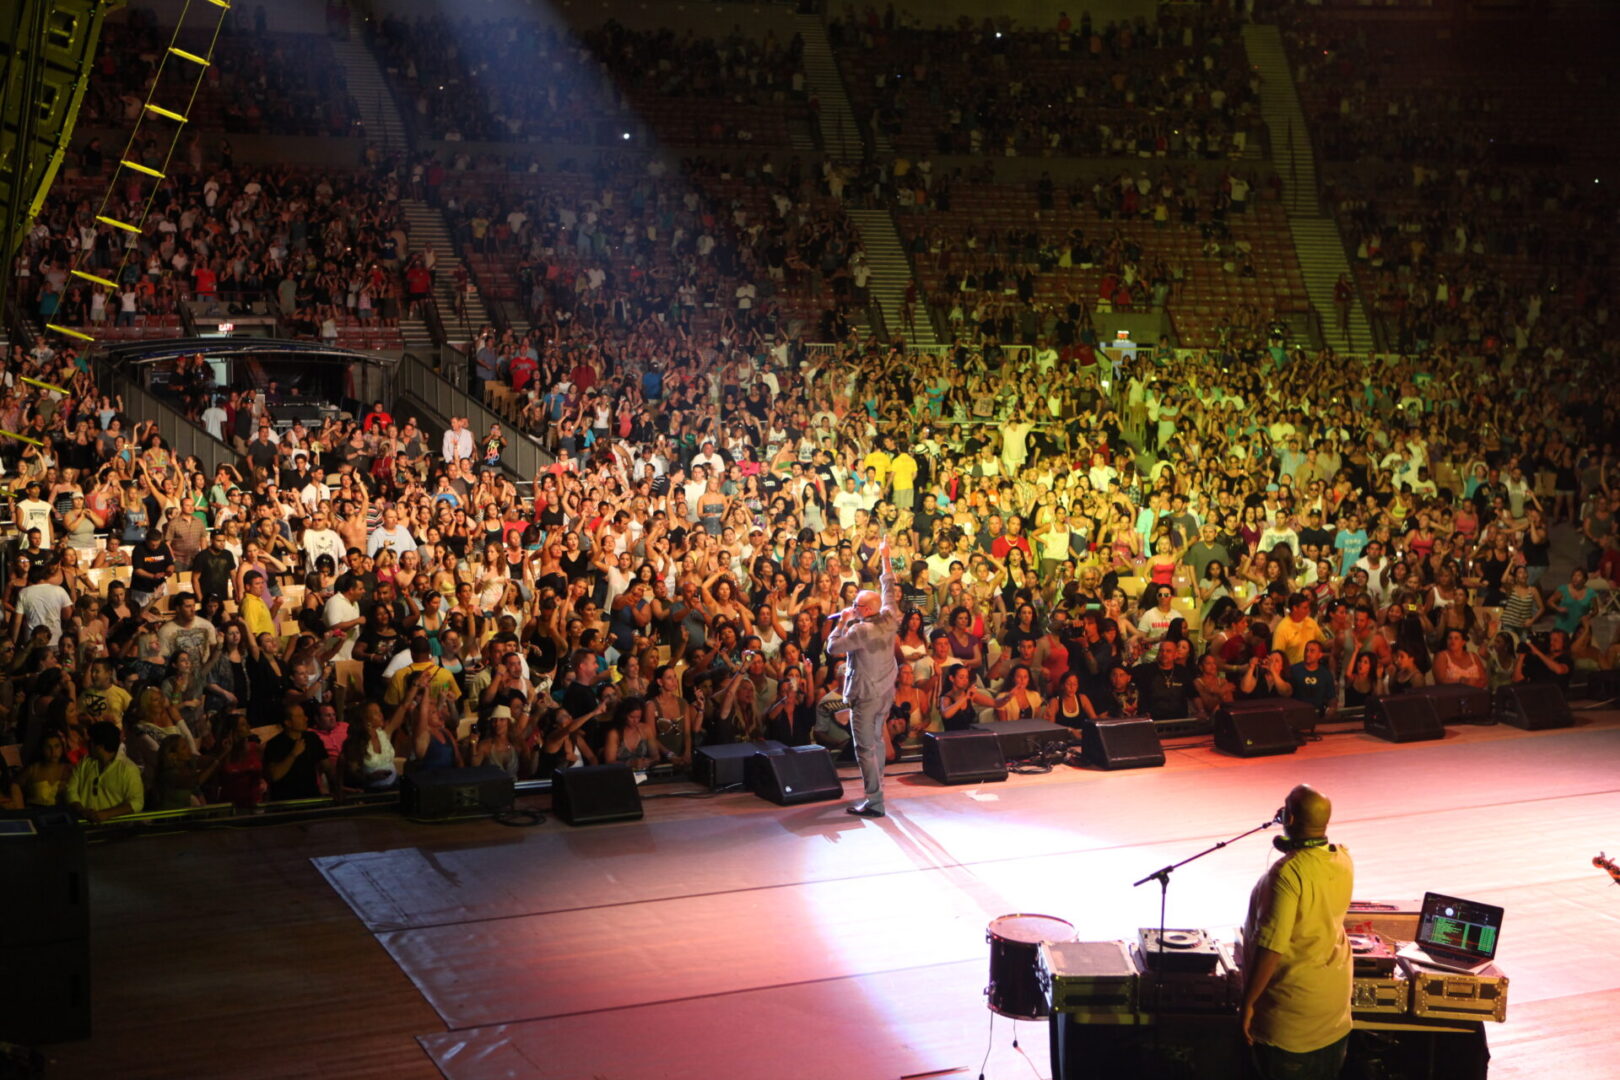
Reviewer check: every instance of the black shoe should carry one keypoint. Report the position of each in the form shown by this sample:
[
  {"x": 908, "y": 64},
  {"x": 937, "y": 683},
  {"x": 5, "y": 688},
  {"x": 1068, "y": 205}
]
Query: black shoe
[{"x": 863, "y": 811}]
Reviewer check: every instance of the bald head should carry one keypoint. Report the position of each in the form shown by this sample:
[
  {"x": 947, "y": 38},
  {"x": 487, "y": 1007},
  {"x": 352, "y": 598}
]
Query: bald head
[
  {"x": 1308, "y": 813},
  {"x": 868, "y": 603}
]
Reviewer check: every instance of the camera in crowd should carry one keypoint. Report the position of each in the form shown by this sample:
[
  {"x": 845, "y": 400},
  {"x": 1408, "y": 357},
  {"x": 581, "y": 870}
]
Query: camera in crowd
[{"x": 1540, "y": 640}]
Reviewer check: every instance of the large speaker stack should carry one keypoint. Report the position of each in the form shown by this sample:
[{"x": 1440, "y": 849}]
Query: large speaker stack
[
  {"x": 44, "y": 929},
  {"x": 43, "y": 74},
  {"x": 1261, "y": 728}
]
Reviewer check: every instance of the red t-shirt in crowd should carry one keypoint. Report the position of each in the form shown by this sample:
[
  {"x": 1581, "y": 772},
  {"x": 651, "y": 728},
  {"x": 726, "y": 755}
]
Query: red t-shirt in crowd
[
  {"x": 1003, "y": 544},
  {"x": 418, "y": 281},
  {"x": 522, "y": 369}
]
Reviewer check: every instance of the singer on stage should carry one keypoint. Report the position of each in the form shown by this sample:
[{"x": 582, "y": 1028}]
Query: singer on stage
[
  {"x": 865, "y": 634},
  {"x": 1297, "y": 965}
]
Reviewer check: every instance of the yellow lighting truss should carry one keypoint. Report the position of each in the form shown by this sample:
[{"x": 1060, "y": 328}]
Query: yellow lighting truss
[{"x": 151, "y": 112}]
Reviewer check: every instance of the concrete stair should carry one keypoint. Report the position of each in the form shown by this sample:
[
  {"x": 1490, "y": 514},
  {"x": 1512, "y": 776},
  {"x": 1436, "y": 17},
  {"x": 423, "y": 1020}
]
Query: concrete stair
[
  {"x": 1279, "y": 105},
  {"x": 384, "y": 126},
  {"x": 517, "y": 316},
  {"x": 1321, "y": 261},
  {"x": 891, "y": 273},
  {"x": 1316, "y": 235},
  {"x": 427, "y": 226},
  {"x": 840, "y": 134}
]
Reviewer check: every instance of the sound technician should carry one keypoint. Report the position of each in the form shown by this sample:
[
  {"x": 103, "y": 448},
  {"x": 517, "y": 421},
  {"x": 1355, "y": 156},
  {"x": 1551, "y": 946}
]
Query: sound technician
[{"x": 1297, "y": 964}]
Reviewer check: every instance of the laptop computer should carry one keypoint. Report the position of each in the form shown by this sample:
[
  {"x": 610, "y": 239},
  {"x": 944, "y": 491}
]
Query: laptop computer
[{"x": 1455, "y": 934}]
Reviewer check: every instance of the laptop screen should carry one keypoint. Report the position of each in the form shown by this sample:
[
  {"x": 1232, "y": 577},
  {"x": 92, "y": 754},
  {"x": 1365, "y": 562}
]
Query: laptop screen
[{"x": 1459, "y": 929}]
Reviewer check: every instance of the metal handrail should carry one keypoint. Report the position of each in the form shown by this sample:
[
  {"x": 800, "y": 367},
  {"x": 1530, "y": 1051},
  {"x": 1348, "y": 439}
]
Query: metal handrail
[
  {"x": 184, "y": 437},
  {"x": 523, "y": 456}
]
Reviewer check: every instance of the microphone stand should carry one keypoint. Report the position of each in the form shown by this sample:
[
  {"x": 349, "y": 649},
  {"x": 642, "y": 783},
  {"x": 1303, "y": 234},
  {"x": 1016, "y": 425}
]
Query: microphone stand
[{"x": 1162, "y": 876}]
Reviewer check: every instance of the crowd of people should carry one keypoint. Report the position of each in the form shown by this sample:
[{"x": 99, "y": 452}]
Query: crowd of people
[
  {"x": 1116, "y": 242},
  {"x": 756, "y": 247},
  {"x": 1077, "y": 533},
  {"x": 1172, "y": 86},
  {"x": 1186, "y": 537},
  {"x": 329, "y": 246},
  {"x": 1482, "y": 258},
  {"x": 257, "y": 83},
  {"x": 455, "y": 75},
  {"x": 1472, "y": 214},
  {"x": 1398, "y": 90}
]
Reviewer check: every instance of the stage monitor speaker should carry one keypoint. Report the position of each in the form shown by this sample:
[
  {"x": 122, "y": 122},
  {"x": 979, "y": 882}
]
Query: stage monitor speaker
[
  {"x": 46, "y": 895},
  {"x": 1603, "y": 685},
  {"x": 1131, "y": 743},
  {"x": 795, "y": 774},
  {"x": 1257, "y": 728},
  {"x": 1024, "y": 738},
  {"x": 725, "y": 766},
  {"x": 1456, "y": 704},
  {"x": 1403, "y": 718},
  {"x": 593, "y": 794},
  {"x": 440, "y": 794},
  {"x": 45, "y": 997},
  {"x": 1533, "y": 706},
  {"x": 964, "y": 757}
]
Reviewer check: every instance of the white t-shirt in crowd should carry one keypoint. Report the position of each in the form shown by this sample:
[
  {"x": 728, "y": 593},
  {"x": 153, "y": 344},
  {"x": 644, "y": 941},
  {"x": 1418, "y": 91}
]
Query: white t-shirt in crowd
[
  {"x": 35, "y": 514},
  {"x": 341, "y": 609}
]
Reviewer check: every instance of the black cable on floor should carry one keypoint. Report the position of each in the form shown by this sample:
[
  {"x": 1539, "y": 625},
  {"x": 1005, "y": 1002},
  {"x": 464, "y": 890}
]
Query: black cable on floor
[
  {"x": 519, "y": 819},
  {"x": 510, "y": 816}
]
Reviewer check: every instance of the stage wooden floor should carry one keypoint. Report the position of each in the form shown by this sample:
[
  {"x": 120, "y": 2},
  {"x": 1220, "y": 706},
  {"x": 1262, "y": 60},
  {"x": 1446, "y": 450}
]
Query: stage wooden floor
[{"x": 729, "y": 938}]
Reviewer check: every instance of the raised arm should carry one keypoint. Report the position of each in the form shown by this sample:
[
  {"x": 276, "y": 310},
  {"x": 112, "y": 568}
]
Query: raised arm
[{"x": 888, "y": 582}]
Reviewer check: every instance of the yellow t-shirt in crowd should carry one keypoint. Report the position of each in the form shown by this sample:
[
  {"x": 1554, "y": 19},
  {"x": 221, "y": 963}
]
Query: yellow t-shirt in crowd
[
  {"x": 880, "y": 461},
  {"x": 256, "y": 616},
  {"x": 904, "y": 470},
  {"x": 1290, "y": 638},
  {"x": 108, "y": 704}
]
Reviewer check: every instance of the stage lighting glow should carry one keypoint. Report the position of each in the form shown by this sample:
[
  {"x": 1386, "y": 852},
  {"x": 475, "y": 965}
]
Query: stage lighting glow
[{"x": 625, "y": 136}]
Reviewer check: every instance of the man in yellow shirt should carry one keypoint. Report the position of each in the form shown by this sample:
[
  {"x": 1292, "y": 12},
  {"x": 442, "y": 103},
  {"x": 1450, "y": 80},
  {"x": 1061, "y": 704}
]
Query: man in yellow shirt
[
  {"x": 879, "y": 461},
  {"x": 399, "y": 686},
  {"x": 102, "y": 698},
  {"x": 106, "y": 784},
  {"x": 256, "y": 606},
  {"x": 1293, "y": 632},
  {"x": 1297, "y": 966},
  {"x": 903, "y": 480}
]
